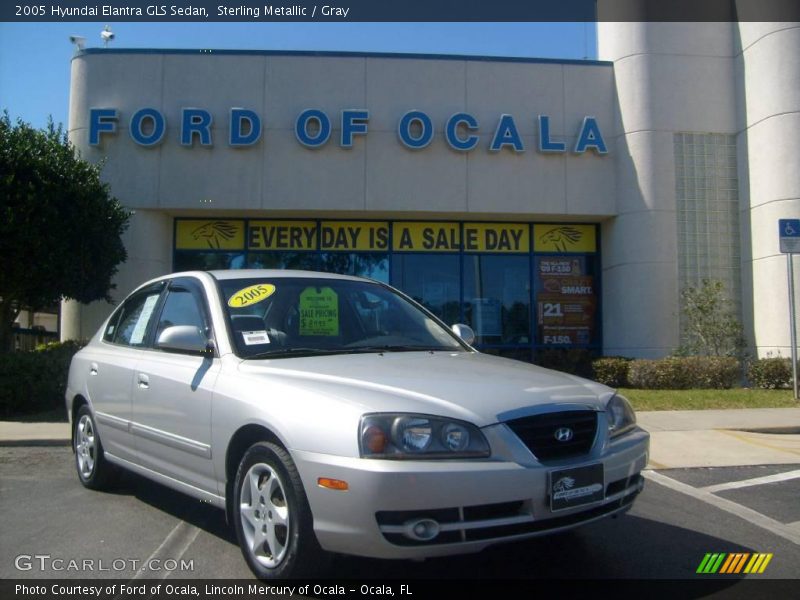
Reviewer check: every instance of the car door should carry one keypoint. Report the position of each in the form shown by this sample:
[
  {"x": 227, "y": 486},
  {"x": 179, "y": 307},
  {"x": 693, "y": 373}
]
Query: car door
[
  {"x": 112, "y": 365},
  {"x": 172, "y": 394}
]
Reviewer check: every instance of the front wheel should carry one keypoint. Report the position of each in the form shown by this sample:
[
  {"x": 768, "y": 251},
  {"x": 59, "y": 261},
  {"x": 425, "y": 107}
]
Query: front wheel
[
  {"x": 94, "y": 471},
  {"x": 272, "y": 518}
]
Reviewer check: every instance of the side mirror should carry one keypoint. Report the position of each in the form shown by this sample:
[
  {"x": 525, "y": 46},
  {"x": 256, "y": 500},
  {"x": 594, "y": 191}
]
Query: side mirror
[
  {"x": 183, "y": 338},
  {"x": 465, "y": 332}
]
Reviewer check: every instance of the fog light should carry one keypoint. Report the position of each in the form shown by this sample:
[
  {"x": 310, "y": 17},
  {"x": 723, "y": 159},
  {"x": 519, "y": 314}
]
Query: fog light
[{"x": 421, "y": 530}]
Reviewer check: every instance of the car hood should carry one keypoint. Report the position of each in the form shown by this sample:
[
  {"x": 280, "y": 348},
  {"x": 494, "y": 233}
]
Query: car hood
[{"x": 478, "y": 388}]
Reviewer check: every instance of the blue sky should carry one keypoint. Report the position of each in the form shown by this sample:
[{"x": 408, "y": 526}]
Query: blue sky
[{"x": 35, "y": 57}]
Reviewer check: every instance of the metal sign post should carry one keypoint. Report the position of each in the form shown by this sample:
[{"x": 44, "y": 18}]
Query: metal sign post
[{"x": 789, "y": 234}]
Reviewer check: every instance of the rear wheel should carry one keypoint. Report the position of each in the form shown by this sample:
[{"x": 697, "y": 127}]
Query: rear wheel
[
  {"x": 94, "y": 471},
  {"x": 272, "y": 518}
]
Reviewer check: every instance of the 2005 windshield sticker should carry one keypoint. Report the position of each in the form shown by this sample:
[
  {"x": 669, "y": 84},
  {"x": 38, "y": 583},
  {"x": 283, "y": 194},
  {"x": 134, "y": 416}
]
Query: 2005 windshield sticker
[
  {"x": 251, "y": 295},
  {"x": 319, "y": 312}
]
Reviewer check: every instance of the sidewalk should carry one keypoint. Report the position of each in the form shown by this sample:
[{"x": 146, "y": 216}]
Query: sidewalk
[
  {"x": 722, "y": 438},
  {"x": 687, "y": 438},
  {"x": 13, "y": 433}
]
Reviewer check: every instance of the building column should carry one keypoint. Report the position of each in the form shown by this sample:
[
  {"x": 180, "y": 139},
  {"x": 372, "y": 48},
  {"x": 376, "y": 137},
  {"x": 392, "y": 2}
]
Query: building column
[{"x": 768, "y": 94}]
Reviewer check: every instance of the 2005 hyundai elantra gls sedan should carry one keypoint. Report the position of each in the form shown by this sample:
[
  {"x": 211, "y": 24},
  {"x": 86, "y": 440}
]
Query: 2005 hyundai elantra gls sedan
[{"x": 333, "y": 413}]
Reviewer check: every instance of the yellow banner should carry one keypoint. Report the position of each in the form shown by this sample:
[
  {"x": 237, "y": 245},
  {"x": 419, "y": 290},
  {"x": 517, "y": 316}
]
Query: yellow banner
[
  {"x": 496, "y": 237},
  {"x": 282, "y": 235},
  {"x": 209, "y": 234},
  {"x": 355, "y": 235},
  {"x": 426, "y": 237},
  {"x": 564, "y": 238}
]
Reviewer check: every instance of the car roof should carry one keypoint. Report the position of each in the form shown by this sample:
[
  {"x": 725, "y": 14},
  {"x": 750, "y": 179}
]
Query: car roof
[{"x": 276, "y": 274}]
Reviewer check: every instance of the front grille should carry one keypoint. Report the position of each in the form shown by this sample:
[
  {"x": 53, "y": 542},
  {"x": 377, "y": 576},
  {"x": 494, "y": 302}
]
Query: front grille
[{"x": 538, "y": 433}]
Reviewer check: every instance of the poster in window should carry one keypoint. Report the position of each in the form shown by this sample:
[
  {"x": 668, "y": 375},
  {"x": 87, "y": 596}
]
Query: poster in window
[{"x": 566, "y": 302}]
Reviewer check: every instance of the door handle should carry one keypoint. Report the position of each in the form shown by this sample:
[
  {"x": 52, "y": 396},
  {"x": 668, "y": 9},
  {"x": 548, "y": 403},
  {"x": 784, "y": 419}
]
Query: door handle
[
  {"x": 93, "y": 369},
  {"x": 144, "y": 381}
]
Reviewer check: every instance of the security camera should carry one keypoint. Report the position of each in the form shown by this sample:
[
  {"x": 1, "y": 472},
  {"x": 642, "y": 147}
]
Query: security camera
[
  {"x": 79, "y": 41},
  {"x": 107, "y": 35}
]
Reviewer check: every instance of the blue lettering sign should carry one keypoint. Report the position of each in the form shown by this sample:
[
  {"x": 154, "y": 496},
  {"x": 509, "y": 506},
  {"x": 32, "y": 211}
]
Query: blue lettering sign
[
  {"x": 323, "y": 128},
  {"x": 590, "y": 137},
  {"x": 195, "y": 121},
  {"x": 158, "y": 127},
  {"x": 423, "y": 121},
  {"x": 240, "y": 116},
  {"x": 506, "y": 134},
  {"x": 545, "y": 143},
  {"x": 354, "y": 122},
  {"x": 451, "y": 132},
  {"x": 101, "y": 120}
]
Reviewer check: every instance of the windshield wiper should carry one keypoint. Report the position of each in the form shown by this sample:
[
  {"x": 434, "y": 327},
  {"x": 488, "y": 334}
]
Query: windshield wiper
[
  {"x": 398, "y": 348},
  {"x": 286, "y": 352}
]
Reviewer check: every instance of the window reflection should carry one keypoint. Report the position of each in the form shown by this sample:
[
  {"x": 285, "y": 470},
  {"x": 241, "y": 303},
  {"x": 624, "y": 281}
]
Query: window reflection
[
  {"x": 497, "y": 298},
  {"x": 433, "y": 280}
]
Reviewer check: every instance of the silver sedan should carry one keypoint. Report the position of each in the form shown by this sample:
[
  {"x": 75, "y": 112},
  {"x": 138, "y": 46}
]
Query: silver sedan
[{"x": 328, "y": 413}]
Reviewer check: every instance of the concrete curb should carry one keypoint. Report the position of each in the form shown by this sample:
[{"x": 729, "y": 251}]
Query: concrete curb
[{"x": 33, "y": 443}]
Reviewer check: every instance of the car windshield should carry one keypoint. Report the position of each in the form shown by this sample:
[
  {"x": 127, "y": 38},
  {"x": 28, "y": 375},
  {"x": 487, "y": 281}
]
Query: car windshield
[{"x": 284, "y": 316}]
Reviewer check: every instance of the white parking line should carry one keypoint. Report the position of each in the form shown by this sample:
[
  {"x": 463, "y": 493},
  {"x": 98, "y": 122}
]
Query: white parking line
[
  {"x": 173, "y": 547},
  {"x": 748, "y": 514},
  {"x": 732, "y": 485}
]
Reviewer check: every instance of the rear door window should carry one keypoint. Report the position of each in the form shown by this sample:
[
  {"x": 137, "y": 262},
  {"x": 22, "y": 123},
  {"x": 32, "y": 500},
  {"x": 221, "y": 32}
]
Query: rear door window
[{"x": 135, "y": 320}]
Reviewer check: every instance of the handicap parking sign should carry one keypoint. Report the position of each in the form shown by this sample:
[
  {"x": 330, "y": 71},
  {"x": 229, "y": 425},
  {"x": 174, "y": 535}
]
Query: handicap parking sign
[{"x": 789, "y": 234}]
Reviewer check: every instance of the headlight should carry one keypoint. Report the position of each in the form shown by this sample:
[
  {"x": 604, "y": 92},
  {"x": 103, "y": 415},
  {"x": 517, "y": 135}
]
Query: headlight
[
  {"x": 404, "y": 436},
  {"x": 621, "y": 417}
]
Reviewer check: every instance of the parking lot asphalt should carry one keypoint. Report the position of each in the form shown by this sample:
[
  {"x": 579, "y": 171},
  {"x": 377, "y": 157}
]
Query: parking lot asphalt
[{"x": 680, "y": 516}]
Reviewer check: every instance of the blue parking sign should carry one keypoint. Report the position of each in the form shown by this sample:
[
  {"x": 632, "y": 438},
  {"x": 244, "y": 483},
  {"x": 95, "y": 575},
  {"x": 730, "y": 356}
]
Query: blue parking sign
[{"x": 789, "y": 234}]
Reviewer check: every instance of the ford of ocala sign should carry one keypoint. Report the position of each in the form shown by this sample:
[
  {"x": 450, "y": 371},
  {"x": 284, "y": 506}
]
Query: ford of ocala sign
[{"x": 313, "y": 128}]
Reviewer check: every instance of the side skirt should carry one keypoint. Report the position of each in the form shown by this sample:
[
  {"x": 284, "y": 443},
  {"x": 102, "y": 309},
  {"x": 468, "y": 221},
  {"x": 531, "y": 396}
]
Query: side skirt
[{"x": 190, "y": 490}]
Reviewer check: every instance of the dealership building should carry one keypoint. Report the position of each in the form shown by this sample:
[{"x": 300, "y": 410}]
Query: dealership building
[{"x": 547, "y": 203}]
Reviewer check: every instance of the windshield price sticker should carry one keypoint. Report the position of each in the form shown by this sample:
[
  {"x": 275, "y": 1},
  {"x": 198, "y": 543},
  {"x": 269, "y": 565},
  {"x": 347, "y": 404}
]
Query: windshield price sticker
[
  {"x": 319, "y": 312},
  {"x": 251, "y": 295},
  {"x": 253, "y": 338}
]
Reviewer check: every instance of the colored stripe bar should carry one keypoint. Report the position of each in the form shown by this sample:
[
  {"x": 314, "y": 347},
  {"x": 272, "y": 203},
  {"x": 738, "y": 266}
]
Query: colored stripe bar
[
  {"x": 727, "y": 564},
  {"x": 737, "y": 568},
  {"x": 765, "y": 563},
  {"x": 715, "y": 567},
  {"x": 749, "y": 566},
  {"x": 703, "y": 563}
]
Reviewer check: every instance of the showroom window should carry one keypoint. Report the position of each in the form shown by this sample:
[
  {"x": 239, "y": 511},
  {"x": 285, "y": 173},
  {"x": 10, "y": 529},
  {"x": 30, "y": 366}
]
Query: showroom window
[{"x": 522, "y": 287}]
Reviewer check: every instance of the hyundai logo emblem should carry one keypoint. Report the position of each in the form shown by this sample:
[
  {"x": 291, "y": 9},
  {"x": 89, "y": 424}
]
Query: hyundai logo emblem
[{"x": 563, "y": 434}]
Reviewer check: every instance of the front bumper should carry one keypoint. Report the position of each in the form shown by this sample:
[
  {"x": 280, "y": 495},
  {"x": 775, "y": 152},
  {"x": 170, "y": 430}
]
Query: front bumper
[{"x": 474, "y": 503}]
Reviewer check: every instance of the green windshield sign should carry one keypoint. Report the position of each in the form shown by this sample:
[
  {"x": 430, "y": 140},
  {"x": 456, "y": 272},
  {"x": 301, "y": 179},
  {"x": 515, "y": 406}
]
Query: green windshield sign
[{"x": 319, "y": 312}]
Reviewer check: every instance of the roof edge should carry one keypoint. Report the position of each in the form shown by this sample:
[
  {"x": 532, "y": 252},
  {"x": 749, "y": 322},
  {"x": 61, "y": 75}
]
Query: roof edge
[{"x": 343, "y": 54}]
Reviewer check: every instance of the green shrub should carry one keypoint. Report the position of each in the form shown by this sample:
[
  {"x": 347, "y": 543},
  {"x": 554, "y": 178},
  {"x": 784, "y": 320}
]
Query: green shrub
[
  {"x": 770, "y": 373},
  {"x": 716, "y": 372},
  {"x": 35, "y": 381},
  {"x": 612, "y": 370},
  {"x": 683, "y": 373}
]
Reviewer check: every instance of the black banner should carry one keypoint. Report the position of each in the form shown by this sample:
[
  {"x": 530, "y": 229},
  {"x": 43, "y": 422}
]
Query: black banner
[
  {"x": 402, "y": 11},
  {"x": 177, "y": 589}
]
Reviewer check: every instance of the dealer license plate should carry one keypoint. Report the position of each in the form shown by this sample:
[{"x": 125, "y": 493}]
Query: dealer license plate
[{"x": 576, "y": 486}]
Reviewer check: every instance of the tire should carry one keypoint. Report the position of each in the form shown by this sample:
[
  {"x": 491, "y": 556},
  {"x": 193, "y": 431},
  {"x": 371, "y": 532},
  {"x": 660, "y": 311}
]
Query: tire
[
  {"x": 273, "y": 521},
  {"x": 94, "y": 471}
]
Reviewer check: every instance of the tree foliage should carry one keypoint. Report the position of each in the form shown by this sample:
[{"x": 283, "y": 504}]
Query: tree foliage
[
  {"x": 60, "y": 227},
  {"x": 710, "y": 325}
]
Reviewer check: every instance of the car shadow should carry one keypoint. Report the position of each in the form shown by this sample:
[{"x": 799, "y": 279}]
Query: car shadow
[{"x": 195, "y": 512}]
